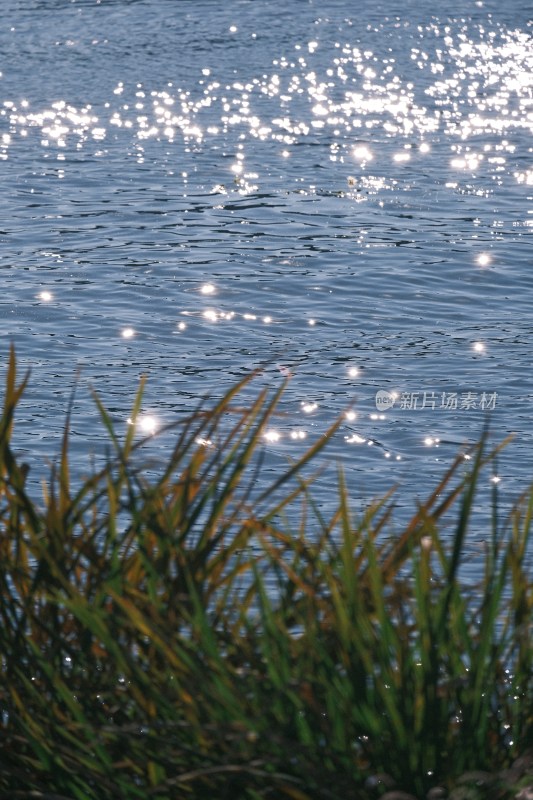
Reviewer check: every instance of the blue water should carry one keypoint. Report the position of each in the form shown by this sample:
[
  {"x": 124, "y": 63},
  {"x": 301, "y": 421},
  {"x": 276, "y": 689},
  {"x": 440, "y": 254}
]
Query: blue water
[{"x": 337, "y": 192}]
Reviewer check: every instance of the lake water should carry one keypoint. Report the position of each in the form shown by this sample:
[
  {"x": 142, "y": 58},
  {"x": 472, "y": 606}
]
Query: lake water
[{"x": 336, "y": 191}]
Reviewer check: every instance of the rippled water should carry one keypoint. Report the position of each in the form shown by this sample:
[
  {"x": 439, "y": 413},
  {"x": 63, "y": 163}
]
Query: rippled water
[{"x": 194, "y": 189}]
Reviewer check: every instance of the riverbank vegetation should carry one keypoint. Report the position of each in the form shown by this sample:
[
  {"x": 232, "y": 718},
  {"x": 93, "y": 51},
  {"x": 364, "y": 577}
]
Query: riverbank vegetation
[{"x": 174, "y": 635}]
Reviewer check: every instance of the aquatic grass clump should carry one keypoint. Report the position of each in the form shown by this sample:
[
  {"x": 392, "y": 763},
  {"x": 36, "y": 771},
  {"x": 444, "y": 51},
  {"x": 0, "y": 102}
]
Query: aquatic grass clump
[{"x": 176, "y": 636}]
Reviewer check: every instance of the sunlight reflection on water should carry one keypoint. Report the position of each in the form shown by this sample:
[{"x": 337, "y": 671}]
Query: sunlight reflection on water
[{"x": 341, "y": 199}]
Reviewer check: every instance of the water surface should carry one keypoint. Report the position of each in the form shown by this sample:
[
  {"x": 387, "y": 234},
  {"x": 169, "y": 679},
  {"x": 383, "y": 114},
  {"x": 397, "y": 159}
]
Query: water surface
[{"x": 192, "y": 190}]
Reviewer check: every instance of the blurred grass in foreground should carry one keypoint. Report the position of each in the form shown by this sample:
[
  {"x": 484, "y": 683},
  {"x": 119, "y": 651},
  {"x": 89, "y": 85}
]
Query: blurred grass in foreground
[{"x": 142, "y": 657}]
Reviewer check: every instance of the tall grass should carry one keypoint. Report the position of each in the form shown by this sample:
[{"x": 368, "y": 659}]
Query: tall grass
[{"x": 142, "y": 656}]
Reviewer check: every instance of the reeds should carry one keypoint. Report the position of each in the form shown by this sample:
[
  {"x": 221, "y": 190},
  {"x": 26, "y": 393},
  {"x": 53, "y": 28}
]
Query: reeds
[{"x": 178, "y": 637}]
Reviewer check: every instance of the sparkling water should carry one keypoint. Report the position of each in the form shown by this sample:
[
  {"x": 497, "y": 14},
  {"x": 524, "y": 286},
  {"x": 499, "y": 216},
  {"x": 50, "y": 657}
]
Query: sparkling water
[{"x": 338, "y": 193}]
